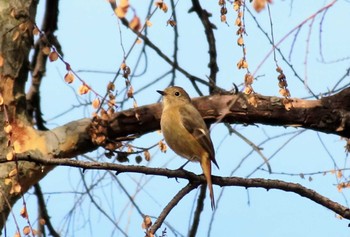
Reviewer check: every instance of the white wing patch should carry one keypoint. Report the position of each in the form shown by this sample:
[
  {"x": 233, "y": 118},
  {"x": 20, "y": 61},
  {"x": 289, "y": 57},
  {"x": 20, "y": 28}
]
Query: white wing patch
[{"x": 202, "y": 131}]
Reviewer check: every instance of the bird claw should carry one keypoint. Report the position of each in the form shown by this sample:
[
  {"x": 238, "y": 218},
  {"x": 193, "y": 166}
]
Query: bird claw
[{"x": 181, "y": 168}]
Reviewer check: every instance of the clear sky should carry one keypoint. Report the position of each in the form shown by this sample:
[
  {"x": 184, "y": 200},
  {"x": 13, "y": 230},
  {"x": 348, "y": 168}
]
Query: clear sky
[{"x": 90, "y": 38}]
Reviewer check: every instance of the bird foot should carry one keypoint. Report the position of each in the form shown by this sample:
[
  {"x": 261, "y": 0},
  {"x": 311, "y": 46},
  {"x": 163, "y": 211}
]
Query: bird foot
[{"x": 181, "y": 168}]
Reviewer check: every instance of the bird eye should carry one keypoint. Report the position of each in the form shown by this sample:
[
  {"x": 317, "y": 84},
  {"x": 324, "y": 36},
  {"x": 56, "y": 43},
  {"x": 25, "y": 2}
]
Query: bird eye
[{"x": 177, "y": 93}]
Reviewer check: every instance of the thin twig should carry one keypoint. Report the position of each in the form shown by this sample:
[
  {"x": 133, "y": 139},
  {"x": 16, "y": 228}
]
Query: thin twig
[
  {"x": 256, "y": 148},
  {"x": 98, "y": 206},
  {"x": 176, "y": 42},
  {"x": 275, "y": 46}
]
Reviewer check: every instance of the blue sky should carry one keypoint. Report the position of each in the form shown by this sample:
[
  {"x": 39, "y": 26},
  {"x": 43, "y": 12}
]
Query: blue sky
[{"x": 90, "y": 38}]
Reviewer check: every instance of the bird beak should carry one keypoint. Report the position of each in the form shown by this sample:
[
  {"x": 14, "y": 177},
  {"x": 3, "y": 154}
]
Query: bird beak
[{"x": 161, "y": 92}]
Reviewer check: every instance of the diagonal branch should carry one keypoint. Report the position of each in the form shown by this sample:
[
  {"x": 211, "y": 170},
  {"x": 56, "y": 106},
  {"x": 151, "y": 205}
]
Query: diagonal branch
[
  {"x": 182, "y": 193},
  {"x": 193, "y": 79},
  {"x": 209, "y": 33},
  {"x": 43, "y": 213}
]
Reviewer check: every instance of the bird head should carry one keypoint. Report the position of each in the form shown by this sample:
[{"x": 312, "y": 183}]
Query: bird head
[{"x": 174, "y": 95}]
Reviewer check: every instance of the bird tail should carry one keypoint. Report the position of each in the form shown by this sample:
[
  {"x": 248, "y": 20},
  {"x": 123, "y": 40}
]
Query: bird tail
[{"x": 206, "y": 167}]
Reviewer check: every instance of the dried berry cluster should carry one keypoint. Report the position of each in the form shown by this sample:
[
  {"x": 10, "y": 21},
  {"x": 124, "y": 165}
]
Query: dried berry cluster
[
  {"x": 146, "y": 225},
  {"x": 161, "y": 5},
  {"x": 282, "y": 84},
  {"x": 122, "y": 9},
  {"x": 223, "y": 10},
  {"x": 99, "y": 132},
  {"x": 12, "y": 177},
  {"x": 100, "y": 122},
  {"x": 238, "y": 7},
  {"x": 259, "y": 5},
  {"x": 242, "y": 63}
]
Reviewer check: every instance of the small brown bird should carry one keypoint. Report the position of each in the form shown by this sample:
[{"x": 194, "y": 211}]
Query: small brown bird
[{"x": 186, "y": 133}]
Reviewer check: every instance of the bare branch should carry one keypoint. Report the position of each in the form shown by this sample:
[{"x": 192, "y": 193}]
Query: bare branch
[
  {"x": 209, "y": 33},
  {"x": 39, "y": 61},
  {"x": 328, "y": 115},
  {"x": 195, "y": 180},
  {"x": 288, "y": 187},
  {"x": 183, "y": 192},
  {"x": 161, "y": 54},
  {"x": 43, "y": 213}
]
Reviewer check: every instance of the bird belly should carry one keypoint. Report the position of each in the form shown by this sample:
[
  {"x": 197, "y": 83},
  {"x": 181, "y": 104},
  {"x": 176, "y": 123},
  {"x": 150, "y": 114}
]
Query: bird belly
[{"x": 181, "y": 141}]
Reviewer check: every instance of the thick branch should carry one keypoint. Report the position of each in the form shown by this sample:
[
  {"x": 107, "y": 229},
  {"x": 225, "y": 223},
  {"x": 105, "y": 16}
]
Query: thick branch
[{"x": 328, "y": 115}]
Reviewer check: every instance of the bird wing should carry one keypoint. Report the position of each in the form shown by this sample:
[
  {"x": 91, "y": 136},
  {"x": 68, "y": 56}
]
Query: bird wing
[{"x": 198, "y": 129}]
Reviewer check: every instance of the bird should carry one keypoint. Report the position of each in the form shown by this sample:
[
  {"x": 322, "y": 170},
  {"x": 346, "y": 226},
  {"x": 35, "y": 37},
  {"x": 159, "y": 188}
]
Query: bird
[{"x": 186, "y": 133}]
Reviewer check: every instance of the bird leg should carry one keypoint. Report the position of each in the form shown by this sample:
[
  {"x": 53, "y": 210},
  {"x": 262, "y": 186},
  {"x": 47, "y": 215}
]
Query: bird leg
[{"x": 182, "y": 166}]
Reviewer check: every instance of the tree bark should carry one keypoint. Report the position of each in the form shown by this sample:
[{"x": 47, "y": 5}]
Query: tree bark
[
  {"x": 16, "y": 23},
  {"x": 66, "y": 141},
  {"x": 328, "y": 115}
]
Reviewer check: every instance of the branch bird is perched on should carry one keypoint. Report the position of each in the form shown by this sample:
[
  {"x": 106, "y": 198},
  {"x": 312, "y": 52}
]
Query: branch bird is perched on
[{"x": 185, "y": 132}]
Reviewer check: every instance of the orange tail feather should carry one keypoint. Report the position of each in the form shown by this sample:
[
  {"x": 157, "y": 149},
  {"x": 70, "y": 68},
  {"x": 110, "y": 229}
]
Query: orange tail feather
[{"x": 206, "y": 167}]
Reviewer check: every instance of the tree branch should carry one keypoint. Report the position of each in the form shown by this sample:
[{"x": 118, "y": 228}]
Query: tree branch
[
  {"x": 195, "y": 180},
  {"x": 39, "y": 61},
  {"x": 182, "y": 193},
  {"x": 288, "y": 187},
  {"x": 209, "y": 33},
  {"x": 173, "y": 63},
  {"x": 328, "y": 115},
  {"x": 43, "y": 213}
]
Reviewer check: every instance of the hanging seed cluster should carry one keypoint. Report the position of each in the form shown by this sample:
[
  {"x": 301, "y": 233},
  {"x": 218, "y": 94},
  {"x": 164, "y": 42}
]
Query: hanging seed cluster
[
  {"x": 223, "y": 10},
  {"x": 282, "y": 84}
]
